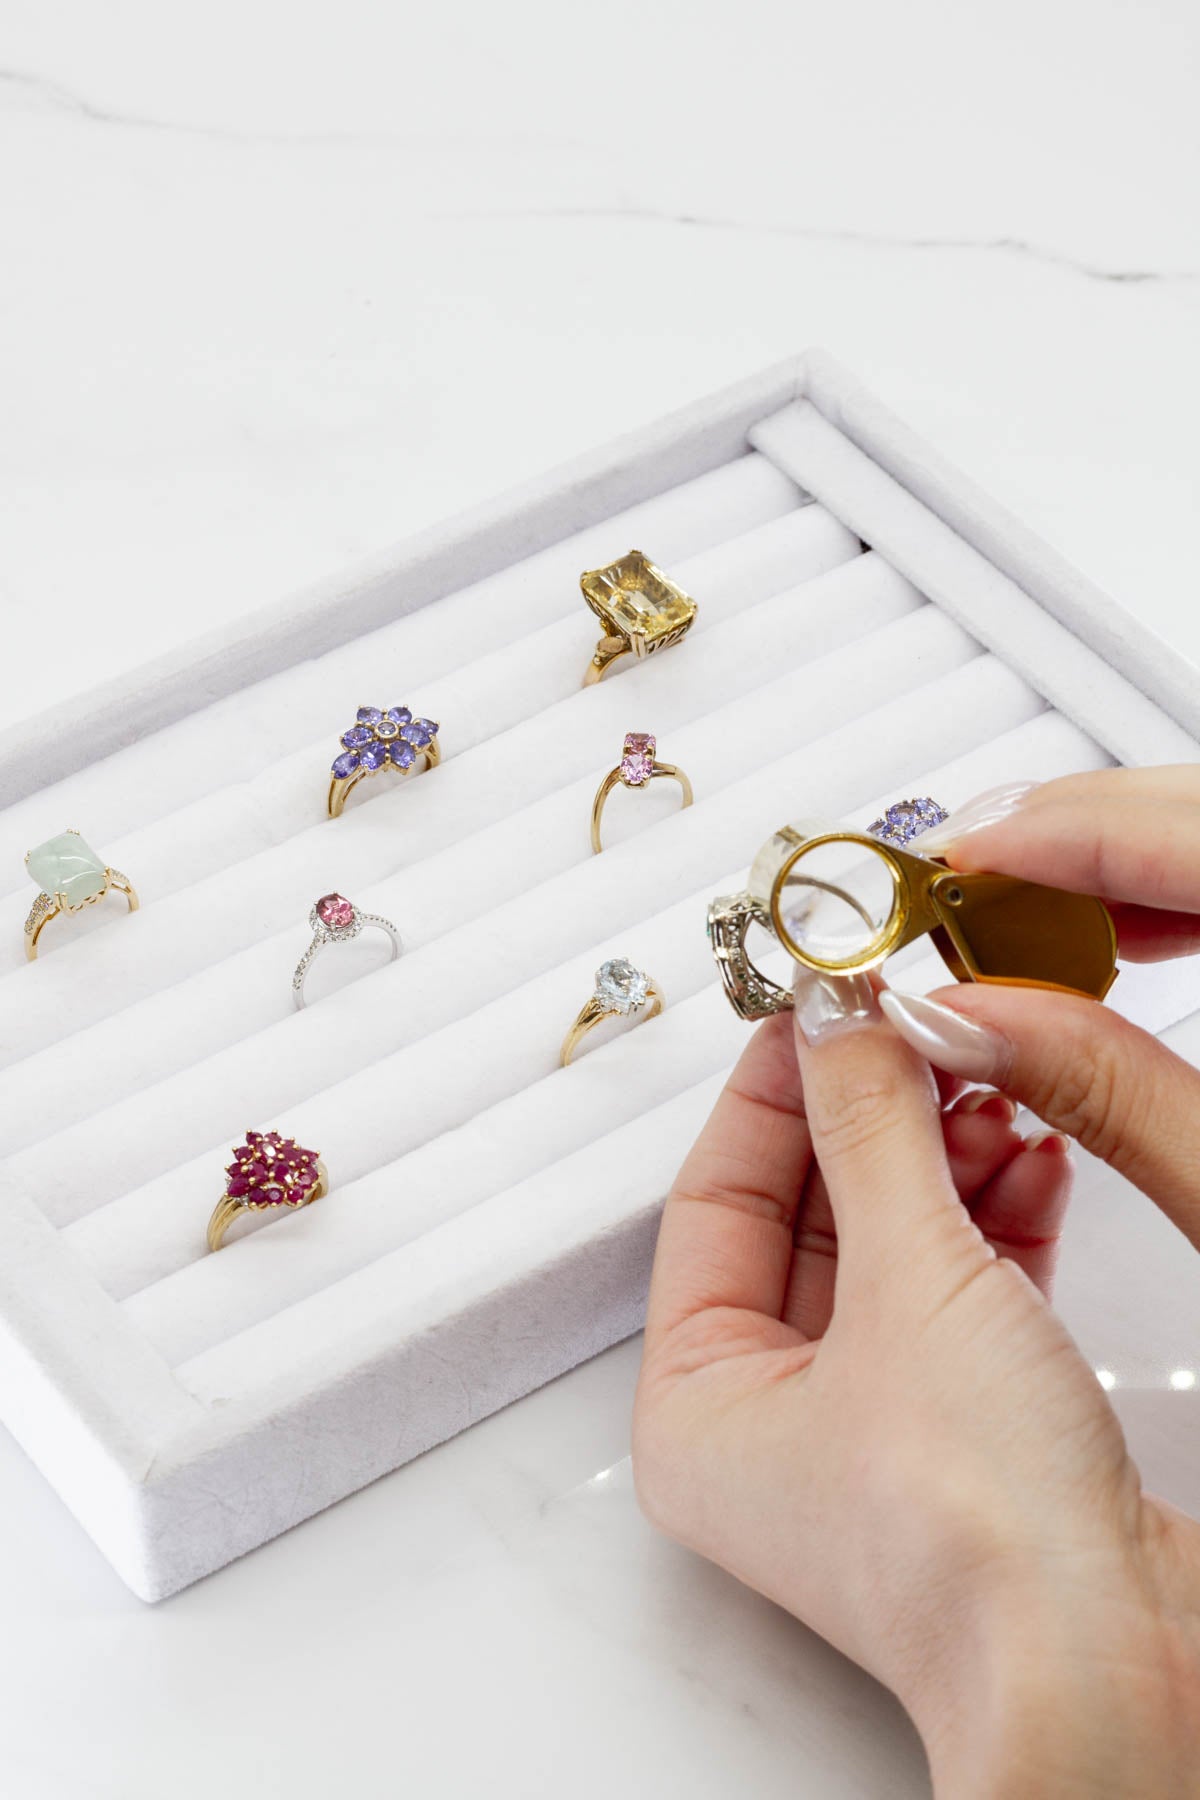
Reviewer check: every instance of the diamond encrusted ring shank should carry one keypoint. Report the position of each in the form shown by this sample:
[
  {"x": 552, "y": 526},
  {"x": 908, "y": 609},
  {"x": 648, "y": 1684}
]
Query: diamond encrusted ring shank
[
  {"x": 71, "y": 876},
  {"x": 642, "y": 610},
  {"x": 335, "y": 920},
  {"x": 381, "y": 739},
  {"x": 637, "y": 768},
  {"x": 620, "y": 991},
  {"x": 267, "y": 1171},
  {"x": 730, "y": 916}
]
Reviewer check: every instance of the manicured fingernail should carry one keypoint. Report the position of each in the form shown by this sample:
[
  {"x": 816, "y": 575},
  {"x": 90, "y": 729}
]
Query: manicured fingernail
[
  {"x": 829, "y": 1003},
  {"x": 998, "y": 1105},
  {"x": 945, "y": 1038},
  {"x": 1057, "y": 1142},
  {"x": 985, "y": 809}
]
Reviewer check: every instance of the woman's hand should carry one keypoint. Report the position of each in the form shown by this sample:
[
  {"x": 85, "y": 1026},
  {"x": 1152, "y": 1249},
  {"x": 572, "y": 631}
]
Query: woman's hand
[{"x": 855, "y": 1397}]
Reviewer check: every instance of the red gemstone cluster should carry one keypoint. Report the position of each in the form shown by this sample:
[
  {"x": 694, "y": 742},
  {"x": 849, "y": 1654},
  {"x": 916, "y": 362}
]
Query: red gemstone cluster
[{"x": 269, "y": 1170}]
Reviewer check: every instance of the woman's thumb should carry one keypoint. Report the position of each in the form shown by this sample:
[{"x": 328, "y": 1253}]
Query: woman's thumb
[{"x": 1081, "y": 1068}]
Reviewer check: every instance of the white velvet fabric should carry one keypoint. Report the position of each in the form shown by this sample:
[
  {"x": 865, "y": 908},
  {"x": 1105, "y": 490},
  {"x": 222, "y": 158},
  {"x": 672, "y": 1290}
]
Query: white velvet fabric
[
  {"x": 476, "y": 1189},
  {"x": 237, "y": 741},
  {"x": 500, "y": 1014}
]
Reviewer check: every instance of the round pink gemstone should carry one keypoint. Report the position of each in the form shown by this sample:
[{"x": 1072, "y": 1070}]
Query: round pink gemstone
[{"x": 335, "y": 911}]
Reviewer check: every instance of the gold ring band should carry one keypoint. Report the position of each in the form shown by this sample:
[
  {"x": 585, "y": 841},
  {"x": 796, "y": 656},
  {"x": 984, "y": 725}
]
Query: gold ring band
[
  {"x": 637, "y": 768},
  {"x": 621, "y": 990},
  {"x": 71, "y": 876},
  {"x": 268, "y": 1173}
]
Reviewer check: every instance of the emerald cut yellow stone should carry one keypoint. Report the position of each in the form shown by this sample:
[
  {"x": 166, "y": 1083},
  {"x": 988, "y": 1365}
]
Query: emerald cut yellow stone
[
  {"x": 637, "y": 602},
  {"x": 69, "y": 869}
]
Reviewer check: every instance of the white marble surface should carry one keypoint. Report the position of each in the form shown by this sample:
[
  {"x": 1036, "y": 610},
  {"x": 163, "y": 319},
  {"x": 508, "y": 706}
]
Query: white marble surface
[{"x": 283, "y": 283}]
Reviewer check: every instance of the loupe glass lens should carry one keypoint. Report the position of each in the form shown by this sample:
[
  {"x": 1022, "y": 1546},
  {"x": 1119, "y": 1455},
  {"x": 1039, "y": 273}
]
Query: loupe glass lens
[{"x": 835, "y": 902}]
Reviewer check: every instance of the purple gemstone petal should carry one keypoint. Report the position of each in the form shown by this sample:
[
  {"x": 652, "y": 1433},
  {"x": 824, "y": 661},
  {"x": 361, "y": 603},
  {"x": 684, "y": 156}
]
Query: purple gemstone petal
[
  {"x": 374, "y": 756},
  {"x": 403, "y": 755},
  {"x": 368, "y": 715},
  {"x": 346, "y": 764},
  {"x": 399, "y": 714},
  {"x": 905, "y": 820},
  {"x": 418, "y": 733},
  {"x": 356, "y": 736}
]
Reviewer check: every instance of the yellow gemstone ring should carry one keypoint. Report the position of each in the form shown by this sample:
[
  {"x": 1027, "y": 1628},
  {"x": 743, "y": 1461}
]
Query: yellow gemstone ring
[
  {"x": 637, "y": 768},
  {"x": 642, "y": 611},
  {"x": 71, "y": 876}
]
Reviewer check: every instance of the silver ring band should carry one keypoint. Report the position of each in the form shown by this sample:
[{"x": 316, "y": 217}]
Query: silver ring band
[{"x": 336, "y": 920}]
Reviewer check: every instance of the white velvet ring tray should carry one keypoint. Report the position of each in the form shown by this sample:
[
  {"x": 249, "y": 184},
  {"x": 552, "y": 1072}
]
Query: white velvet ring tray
[{"x": 869, "y": 627}]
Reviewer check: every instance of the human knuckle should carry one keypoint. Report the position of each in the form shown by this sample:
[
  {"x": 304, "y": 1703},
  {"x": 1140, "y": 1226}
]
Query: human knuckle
[
  {"x": 856, "y": 1112},
  {"x": 1085, "y": 1091}
]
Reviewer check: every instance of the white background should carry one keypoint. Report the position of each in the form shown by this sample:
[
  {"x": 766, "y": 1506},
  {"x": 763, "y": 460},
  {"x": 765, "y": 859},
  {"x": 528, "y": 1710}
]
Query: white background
[{"x": 282, "y": 283}]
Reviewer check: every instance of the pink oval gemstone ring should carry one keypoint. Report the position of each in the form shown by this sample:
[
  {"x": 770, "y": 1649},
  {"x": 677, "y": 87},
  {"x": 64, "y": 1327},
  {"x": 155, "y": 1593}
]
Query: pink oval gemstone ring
[
  {"x": 335, "y": 920},
  {"x": 638, "y": 767}
]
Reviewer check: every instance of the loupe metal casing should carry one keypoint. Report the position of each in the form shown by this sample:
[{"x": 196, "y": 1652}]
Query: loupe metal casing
[{"x": 843, "y": 901}]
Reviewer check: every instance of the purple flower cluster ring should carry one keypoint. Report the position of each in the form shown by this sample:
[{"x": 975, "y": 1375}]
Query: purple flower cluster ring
[
  {"x": 907, "y": 819},
  {"x": 379, "y": 740}
]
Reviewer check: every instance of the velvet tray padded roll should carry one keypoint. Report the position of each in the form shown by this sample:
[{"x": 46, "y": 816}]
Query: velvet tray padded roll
[{"x": 868, "y": 628}]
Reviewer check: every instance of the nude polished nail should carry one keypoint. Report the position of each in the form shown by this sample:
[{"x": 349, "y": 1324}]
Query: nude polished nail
[
  {"x": 985, "y": 809},
  {"x": 945, "y": 1038}
]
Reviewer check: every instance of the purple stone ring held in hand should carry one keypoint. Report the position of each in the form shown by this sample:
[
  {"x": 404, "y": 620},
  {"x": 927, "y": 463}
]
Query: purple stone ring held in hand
[
  {"x": 378, "y": 739},
  {"x": 907, "y": 819}
]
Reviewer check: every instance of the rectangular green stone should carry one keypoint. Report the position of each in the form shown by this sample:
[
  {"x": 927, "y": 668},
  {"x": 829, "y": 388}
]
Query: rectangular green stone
[{"x": 68, "y": 868}]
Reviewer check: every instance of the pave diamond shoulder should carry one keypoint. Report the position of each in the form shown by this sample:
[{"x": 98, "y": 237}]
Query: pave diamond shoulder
[
  {"x": 750, "y": 993},
  {"x": 620, "y": 987}
]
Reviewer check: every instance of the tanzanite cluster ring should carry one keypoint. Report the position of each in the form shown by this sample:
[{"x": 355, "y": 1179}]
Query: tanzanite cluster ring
[
  {"x": 620, "y": 992},
  {"x": 70, "y": 876},
  {"x": 267, "y": 1171},
  {"x": 335, "y": 920},
  {"x": 642, "y": 611},
  {"x": 637, "y": 768},
  {"x": 381, "y": 739}
]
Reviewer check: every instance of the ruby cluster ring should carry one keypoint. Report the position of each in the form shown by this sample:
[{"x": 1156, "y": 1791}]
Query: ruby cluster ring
[{"x": 267, "y": 1171}]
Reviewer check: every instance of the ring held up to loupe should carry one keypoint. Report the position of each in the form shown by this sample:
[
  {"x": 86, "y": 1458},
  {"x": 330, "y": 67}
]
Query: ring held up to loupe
[{"x": 841, "y": 902}]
